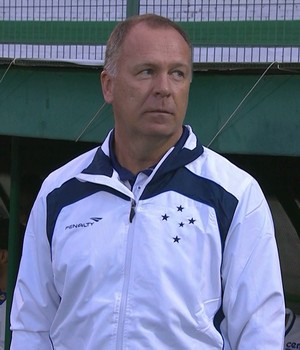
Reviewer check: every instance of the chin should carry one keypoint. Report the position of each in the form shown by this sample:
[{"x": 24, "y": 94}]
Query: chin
[{"x": 161, "y": 130}]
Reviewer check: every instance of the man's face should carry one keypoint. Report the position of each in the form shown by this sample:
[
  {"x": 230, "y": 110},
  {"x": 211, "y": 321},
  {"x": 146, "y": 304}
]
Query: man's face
[{"x": 149, "y": 93}]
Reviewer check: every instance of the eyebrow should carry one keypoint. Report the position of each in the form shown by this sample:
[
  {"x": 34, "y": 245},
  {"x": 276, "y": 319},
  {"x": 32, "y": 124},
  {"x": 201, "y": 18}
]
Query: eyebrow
[{"x": 154, "y": 65}]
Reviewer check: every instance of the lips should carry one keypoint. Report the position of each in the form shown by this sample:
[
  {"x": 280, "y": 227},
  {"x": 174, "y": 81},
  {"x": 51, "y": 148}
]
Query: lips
[{"x": 160, "y": 111}]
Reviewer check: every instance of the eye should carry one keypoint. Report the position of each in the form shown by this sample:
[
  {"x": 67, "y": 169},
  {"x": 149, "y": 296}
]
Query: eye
[
  {"x": 146, "y": 72},
  {"x": 178, "y": 74}
]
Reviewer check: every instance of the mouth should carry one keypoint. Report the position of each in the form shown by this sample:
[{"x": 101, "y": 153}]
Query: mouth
[{"x": 160, "y": 111}]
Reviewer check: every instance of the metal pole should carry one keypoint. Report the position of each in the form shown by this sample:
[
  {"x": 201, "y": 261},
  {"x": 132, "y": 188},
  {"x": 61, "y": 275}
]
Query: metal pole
[
  {"x": 133, "y": 8},
  {"x": 14, "y": 240}
]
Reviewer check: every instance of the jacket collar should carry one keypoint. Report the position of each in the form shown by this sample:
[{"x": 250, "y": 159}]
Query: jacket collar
[{"x": 184, "y": 152}]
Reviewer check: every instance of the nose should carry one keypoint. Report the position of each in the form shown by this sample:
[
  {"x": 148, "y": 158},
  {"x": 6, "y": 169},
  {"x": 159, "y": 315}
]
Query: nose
[{"x": 162, "y": 85}]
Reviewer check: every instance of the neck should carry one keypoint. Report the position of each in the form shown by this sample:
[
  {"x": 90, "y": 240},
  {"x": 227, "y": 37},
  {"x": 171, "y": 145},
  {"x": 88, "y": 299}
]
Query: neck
[{"x": 141, "y": 154}]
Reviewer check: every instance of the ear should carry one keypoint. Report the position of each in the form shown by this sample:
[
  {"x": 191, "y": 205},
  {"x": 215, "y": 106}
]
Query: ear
[
  {"x": 3, "y": 256},
  {"x": 107, "y": 86}
]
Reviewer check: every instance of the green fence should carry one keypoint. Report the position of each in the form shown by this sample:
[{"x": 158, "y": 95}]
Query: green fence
[{"x": 78, "y": 30}]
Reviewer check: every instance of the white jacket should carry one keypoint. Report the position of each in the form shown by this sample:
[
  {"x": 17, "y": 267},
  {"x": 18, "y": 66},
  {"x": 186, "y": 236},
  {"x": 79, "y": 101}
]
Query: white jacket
[{"x": 104, "y": 267}]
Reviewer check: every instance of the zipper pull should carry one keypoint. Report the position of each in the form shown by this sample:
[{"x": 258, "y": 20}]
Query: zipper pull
[{"x": 132, "y": 210}]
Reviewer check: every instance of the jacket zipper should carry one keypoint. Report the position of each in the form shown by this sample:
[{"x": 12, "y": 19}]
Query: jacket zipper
[
  {"x": 127, "y": 268},
  {"x": 132, "y": 210}
]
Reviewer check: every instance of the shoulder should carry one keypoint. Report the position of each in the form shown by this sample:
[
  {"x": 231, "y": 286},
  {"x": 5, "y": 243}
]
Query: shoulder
[
  {"x": 217, "y": 168},
  {"x": 68, "y": 171}
]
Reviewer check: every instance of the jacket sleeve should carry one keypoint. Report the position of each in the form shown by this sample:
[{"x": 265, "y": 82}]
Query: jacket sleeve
[
  {"x": 253, "y": 302},
  {"x": 35, "y": 298}
]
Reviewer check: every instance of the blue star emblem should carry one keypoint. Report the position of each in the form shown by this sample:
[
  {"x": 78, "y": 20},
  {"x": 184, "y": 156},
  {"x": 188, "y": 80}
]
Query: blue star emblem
[
  {"x": 176, "y": 239},
  {"x": 191, "y": 221},
  {"x": 180, "y": 208},
  {"x": 165, "y": 217}
]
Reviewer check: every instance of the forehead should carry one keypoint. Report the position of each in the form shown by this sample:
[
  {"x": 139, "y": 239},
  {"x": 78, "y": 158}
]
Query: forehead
[{"x": 145, "y": 41}]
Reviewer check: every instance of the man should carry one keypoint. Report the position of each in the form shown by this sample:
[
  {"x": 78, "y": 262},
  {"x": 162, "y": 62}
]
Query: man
[
  {"x": 151, "y": 241},
  {"x": 4, "y": 235},
  {"x": 292, "y": 330},
  {"x": 4, "y": 228}
]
